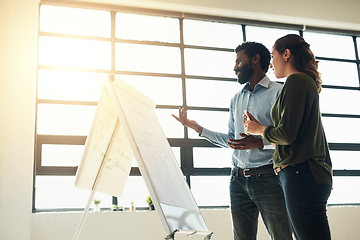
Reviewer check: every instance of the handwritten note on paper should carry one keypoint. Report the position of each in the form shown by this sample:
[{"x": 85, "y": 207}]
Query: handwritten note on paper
[
  {"x": 106, "y": 142},
  {"x": 164, "y": 172},
  {"x": 177, "y": 207}
]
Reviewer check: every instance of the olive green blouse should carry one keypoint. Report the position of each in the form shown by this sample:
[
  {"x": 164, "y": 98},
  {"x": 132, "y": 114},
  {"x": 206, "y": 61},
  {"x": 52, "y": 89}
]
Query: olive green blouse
[{"x": 298, "y": 131}]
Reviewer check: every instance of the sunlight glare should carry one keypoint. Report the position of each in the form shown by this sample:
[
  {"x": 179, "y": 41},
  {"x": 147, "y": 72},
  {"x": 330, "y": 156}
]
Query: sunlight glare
[
  {"x": 147, "y": 28},
  {"x": 77, "y": 21},
  {"x": 66, "y": 52}
]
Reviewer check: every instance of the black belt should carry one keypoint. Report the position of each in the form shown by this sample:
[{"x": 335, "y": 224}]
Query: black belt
[{"x": 267, "y": 169}]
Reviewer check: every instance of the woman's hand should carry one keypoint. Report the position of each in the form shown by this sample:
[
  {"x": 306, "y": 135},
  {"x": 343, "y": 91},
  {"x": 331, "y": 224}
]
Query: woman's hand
[{"x": 251, "y": 125}]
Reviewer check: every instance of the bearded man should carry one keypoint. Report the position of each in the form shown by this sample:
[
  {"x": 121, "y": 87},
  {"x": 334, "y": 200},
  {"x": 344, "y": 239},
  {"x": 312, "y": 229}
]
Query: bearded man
[{"x": 254, "y": 186}]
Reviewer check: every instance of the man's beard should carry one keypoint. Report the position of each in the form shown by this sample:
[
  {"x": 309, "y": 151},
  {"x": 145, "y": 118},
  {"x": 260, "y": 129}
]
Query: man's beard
[{"x": 246, "y": 71}]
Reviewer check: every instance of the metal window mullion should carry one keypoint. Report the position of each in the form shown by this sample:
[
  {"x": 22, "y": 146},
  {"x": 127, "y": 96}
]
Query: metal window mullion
[
  {"x": 211, "y": 171},
  {"x": 209, "y": 48},
  {"x": 243, "y": 27},
  {"x": 183, "y": 76},
  {"x": 67, "y": 102},
  {"x": 185, "y": 150},
  {"x": 72, "y": 36},
  {"x": 335, "y": 59},
  {"x": 211, "y": 78},
  {"x": 341, "y": 87},
  {"x": 347, "y": 173},
  {"x": 336, "y": 115},
  {"x": 357, "y": 58},
  {"x": 56, "y": 171},
  {"x": 345, "y": 146},
  {"x": 113, "y": 40},
  {"x": 75, "y": 69},
  {"x": 187, "y": 160}
]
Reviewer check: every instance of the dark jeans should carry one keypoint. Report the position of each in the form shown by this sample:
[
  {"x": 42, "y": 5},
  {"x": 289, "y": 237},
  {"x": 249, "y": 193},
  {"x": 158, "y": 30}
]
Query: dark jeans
[
  {"x": 305, "y": 202},
  {"x": 255, "y": 194}
]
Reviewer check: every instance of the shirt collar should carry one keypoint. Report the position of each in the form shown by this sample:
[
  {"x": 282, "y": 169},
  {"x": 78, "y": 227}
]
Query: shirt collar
[{"x": 265, "y": 82}]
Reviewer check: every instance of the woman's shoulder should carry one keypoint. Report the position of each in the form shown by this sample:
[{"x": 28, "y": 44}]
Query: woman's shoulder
[
  {"x": 299, "y": 76},
  {"x": 300, "y": 80}
]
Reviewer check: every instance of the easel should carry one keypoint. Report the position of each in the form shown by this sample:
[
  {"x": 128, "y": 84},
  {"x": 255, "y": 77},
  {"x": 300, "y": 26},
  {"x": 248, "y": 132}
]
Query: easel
[
  {"x": 93, "y": 191},
  {"x": 131, "y": 116}
]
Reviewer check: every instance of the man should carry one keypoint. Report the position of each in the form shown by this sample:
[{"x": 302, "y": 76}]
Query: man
[{"x": 254, "y": 186}]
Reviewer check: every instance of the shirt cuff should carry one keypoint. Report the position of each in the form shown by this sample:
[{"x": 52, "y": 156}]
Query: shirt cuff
[
  {"x": 205, "y": 132},
  {"x": 267, "y": 145}
]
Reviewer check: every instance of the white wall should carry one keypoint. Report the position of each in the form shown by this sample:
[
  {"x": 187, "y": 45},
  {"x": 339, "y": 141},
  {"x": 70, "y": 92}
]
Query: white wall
[
  {"x": 118, "y": 225},
  {"x": 344, "y": 224},
  {"x": 18, "y": 59},
  {"x": 18, "y": 54}
]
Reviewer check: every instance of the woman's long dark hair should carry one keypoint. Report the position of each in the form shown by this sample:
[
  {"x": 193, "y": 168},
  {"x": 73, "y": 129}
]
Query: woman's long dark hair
[{"x": 304, "y": 59}]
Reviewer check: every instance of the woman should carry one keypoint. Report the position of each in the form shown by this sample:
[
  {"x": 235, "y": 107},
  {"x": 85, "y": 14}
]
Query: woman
[{"x": 301, "y": 158}]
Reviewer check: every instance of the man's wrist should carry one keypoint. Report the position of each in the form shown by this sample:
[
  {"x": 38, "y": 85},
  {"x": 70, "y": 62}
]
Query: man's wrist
[
  {"x": 261, "y": 143},
  {"x": 199, "y": 129}
]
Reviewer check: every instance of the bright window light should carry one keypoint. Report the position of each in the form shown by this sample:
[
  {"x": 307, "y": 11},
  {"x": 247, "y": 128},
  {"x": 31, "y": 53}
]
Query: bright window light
[
  {"x": 171, "y": 127},
  {"x": 61, "y": 155},
  {"x": 147, "y": 58},
  {"x": 330, "y": 45},
  {"x": 207, "y": 93},
  {"x": 162, "y": 90},
  {"x": 209, "y": 63},
  {"x": 204, "y": 188},
  {"x": 349, "y": 160},
  {"x": 212, "y": 34},
  {"x": 60, "y": 192},
  {"x": 341, "y": 130},
  {"x": 207, "y": 157},
  {"x": 69, "y": 85},
  {"x": 343, "y": 191},
  {"x": 337, "y": 101},
  {"x": 77, "y": 53},
  {"x": 76, "y": 21},
  {"x": 214, "y": 120},
  {"x": 61, "y": 119},
  {"x": 147, "y": 28},
  {"x": 338, "y": 73}
]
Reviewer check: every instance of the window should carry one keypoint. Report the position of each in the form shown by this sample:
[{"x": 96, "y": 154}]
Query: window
[{"x": 178, "y": 62}]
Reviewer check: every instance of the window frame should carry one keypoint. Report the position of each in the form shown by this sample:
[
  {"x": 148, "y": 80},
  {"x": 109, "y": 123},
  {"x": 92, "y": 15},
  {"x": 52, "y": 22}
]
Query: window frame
[{"x": 186, "y": 144}]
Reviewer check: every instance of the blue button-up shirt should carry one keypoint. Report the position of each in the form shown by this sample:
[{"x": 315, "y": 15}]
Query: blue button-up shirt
[{"x": 258, "y": 103}]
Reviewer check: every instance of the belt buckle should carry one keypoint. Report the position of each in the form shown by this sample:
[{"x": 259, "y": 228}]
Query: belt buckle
[
  {"x": 277, "y": 170},
  {"x": 244, "y": 173}
]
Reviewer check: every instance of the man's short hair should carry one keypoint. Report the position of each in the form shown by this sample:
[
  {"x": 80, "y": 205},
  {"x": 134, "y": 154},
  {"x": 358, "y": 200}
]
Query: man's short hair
[{"x": 253, "y": 48}]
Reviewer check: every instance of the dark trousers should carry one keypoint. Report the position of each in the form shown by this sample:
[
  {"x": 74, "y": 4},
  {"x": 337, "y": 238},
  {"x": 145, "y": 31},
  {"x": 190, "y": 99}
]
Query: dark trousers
[
  {"x": 305, "y": 202},
  {"x": 251, "y": 195}
]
